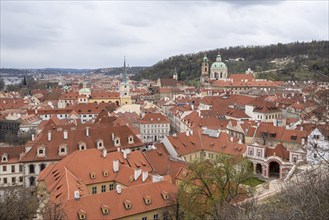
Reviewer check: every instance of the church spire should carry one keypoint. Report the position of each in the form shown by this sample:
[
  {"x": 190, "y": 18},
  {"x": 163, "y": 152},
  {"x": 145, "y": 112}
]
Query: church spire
[{"x": 124, "y": 76}]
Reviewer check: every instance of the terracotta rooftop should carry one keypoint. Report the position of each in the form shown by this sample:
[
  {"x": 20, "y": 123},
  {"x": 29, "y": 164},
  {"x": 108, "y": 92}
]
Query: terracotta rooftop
[
  {"x": 154, "y": 118},
  {"x": 52, "y": 138},
  {"x": 129, "y": 202}
]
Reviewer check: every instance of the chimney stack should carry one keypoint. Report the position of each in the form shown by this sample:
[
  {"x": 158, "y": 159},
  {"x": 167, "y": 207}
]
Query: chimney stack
[
  {"x": 137, "y": 173},
  {"x": 32, "y": 137},
  {"x": 66, "y": 134},
  {"x": 104, "y": 153},
  {"x": 115, "y": 166},
  {"x": 145, "y": 174},
  {"x": 231, "y": 138},
  {"x": 49, "y": 135},
  {"x": 76, "y": 195},
  {"x": 118, "y": 187},
  {"x": 87, "y": 131}
]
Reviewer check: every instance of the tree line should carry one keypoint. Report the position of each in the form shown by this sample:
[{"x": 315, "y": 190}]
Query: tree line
[{"x": 314, "y": 55}]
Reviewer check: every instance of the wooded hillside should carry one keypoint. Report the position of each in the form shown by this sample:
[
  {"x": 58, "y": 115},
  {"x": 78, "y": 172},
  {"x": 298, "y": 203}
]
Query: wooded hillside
[{"x": 293, "y": 61}]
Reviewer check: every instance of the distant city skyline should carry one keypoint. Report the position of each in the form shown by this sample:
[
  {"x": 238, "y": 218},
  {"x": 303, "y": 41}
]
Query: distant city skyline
[{"x": 88, "y": 35}]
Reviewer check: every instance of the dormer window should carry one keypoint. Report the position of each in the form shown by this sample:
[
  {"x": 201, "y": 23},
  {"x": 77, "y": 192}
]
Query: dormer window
[
  {"x": 147, "y": 200},
  {"x": 117, "y": 141},
  {"x": 82, "y": 146},
  {"x": 127, "y": 204},
  {"x": 293, "y": 137},
  {"x": 4, "y": 157},
  {"x": 92, "y": 175},
  {"x": 100, "y": 144},
  {"x": 41, "y": 151},
  {"x": 82, "y": 214},
  {"x": 130, "y": 139},
  {"x": 105, "y": 209},
  {"x": 62, "y": 150},
  {"x": 105, "y": 173},
  {"x": 165, "y": 195}
]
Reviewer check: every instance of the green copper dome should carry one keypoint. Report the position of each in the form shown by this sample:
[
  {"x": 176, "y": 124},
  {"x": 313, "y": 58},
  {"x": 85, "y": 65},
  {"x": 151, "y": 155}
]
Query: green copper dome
[
  {"x": 218, "y": 63},
  {"x": 205, "y": 59},
  {"x": 84, "y": 90}
]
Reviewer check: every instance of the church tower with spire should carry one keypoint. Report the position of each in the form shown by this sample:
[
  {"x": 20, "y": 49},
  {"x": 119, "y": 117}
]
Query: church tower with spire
[
  {"x": 204, "y": 70},
  {"x": 124, "y": 86},
  {"x": 175, "y": 75}
]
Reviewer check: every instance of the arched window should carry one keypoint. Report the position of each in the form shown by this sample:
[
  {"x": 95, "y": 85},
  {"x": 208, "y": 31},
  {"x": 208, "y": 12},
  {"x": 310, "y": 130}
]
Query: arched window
[
  {"x": 100, "y": 144},
  {"x": 42, "y": 166},
  {"x": 117, "y": 141},
  {"x": 4, "y": 157},
  {"x": 31, "y": 168},
  {"x": 62, "y": 151},
  {"x": 41, "y": 151},
  {"x": 32, "y": 181},
  {"x": 82, "y": 146}
]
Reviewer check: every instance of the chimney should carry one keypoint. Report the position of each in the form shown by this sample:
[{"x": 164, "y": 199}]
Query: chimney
[
  {"x": 240, "y": 141},
  {"x": 87, "y": 131},
  {"x": 66, "y": 134},
  {"x": 187, "y": 133},
  {"x": 32, "y": 137},
  {"x": 104, "y": 153},
  {"x": 231, "y": 138},
  {"x": 145, "y": 174},
  {"x": 49, "y": 135},
  {"x": 157, "y": 178},
  {"x": 303, "y": 141},
  {"x": 125, "y": 155},
  {"x": 76, "y": 195},
  {"x": 137, "y": 173},
  {"x": 118, "y": 189},
  {"x": 112, "y": 136},
  {"x": 115, "y": 166},
  {"x": 191, "y": 132}
]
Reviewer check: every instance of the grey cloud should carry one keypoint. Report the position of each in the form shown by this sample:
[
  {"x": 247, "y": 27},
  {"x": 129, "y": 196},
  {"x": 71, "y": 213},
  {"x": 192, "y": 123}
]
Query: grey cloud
[{"x": 98, "y": 34}]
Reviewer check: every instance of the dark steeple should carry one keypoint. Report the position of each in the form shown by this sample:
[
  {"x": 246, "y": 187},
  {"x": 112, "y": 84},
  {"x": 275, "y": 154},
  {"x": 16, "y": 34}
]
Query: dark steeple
[{"x": 124, "y": 75}]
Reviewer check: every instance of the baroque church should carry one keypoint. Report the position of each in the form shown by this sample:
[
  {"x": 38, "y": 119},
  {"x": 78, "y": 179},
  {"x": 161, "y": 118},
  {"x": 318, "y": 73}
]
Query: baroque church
[{"x": 217, "y": 71}]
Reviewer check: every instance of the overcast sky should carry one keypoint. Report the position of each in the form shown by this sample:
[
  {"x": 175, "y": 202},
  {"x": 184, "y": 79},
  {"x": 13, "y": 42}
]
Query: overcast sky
[{"x": 88, "y": 34}]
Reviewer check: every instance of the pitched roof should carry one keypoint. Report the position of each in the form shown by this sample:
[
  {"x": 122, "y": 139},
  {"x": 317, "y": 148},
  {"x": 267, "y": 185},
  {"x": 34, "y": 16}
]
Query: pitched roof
[
  {"x": 218, "y": 142},
  {"x": 13, "y": 154},
  {"x": 154, "y": 118},
  {"x": 115, "y": 202},
  {"x": 279, "y": 151},
  {"x": 77, "y": 135}
]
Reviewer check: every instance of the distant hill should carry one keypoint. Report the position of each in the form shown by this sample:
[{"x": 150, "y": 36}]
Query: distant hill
[
  {"x": 106, "y": 71},
  {"x": 118, "y": 70},
  {"x": 13, "y": 71},
  {"x": 293, "y": 61}
]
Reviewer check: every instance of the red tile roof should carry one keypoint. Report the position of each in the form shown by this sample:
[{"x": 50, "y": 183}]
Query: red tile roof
[
  {"x": 154, "y": 118},
  {"x": 91, "y": 205},
  {"x": 13, "y": 154},
  {"x": 76, "y": 135},
  {"x": 186, "y": 144}
]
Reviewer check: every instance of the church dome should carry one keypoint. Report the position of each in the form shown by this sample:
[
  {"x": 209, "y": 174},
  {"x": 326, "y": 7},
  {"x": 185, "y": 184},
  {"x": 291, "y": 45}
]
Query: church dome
[
  {"x": 218, "y": 63},
  {"x": 84, "y": 90}
]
